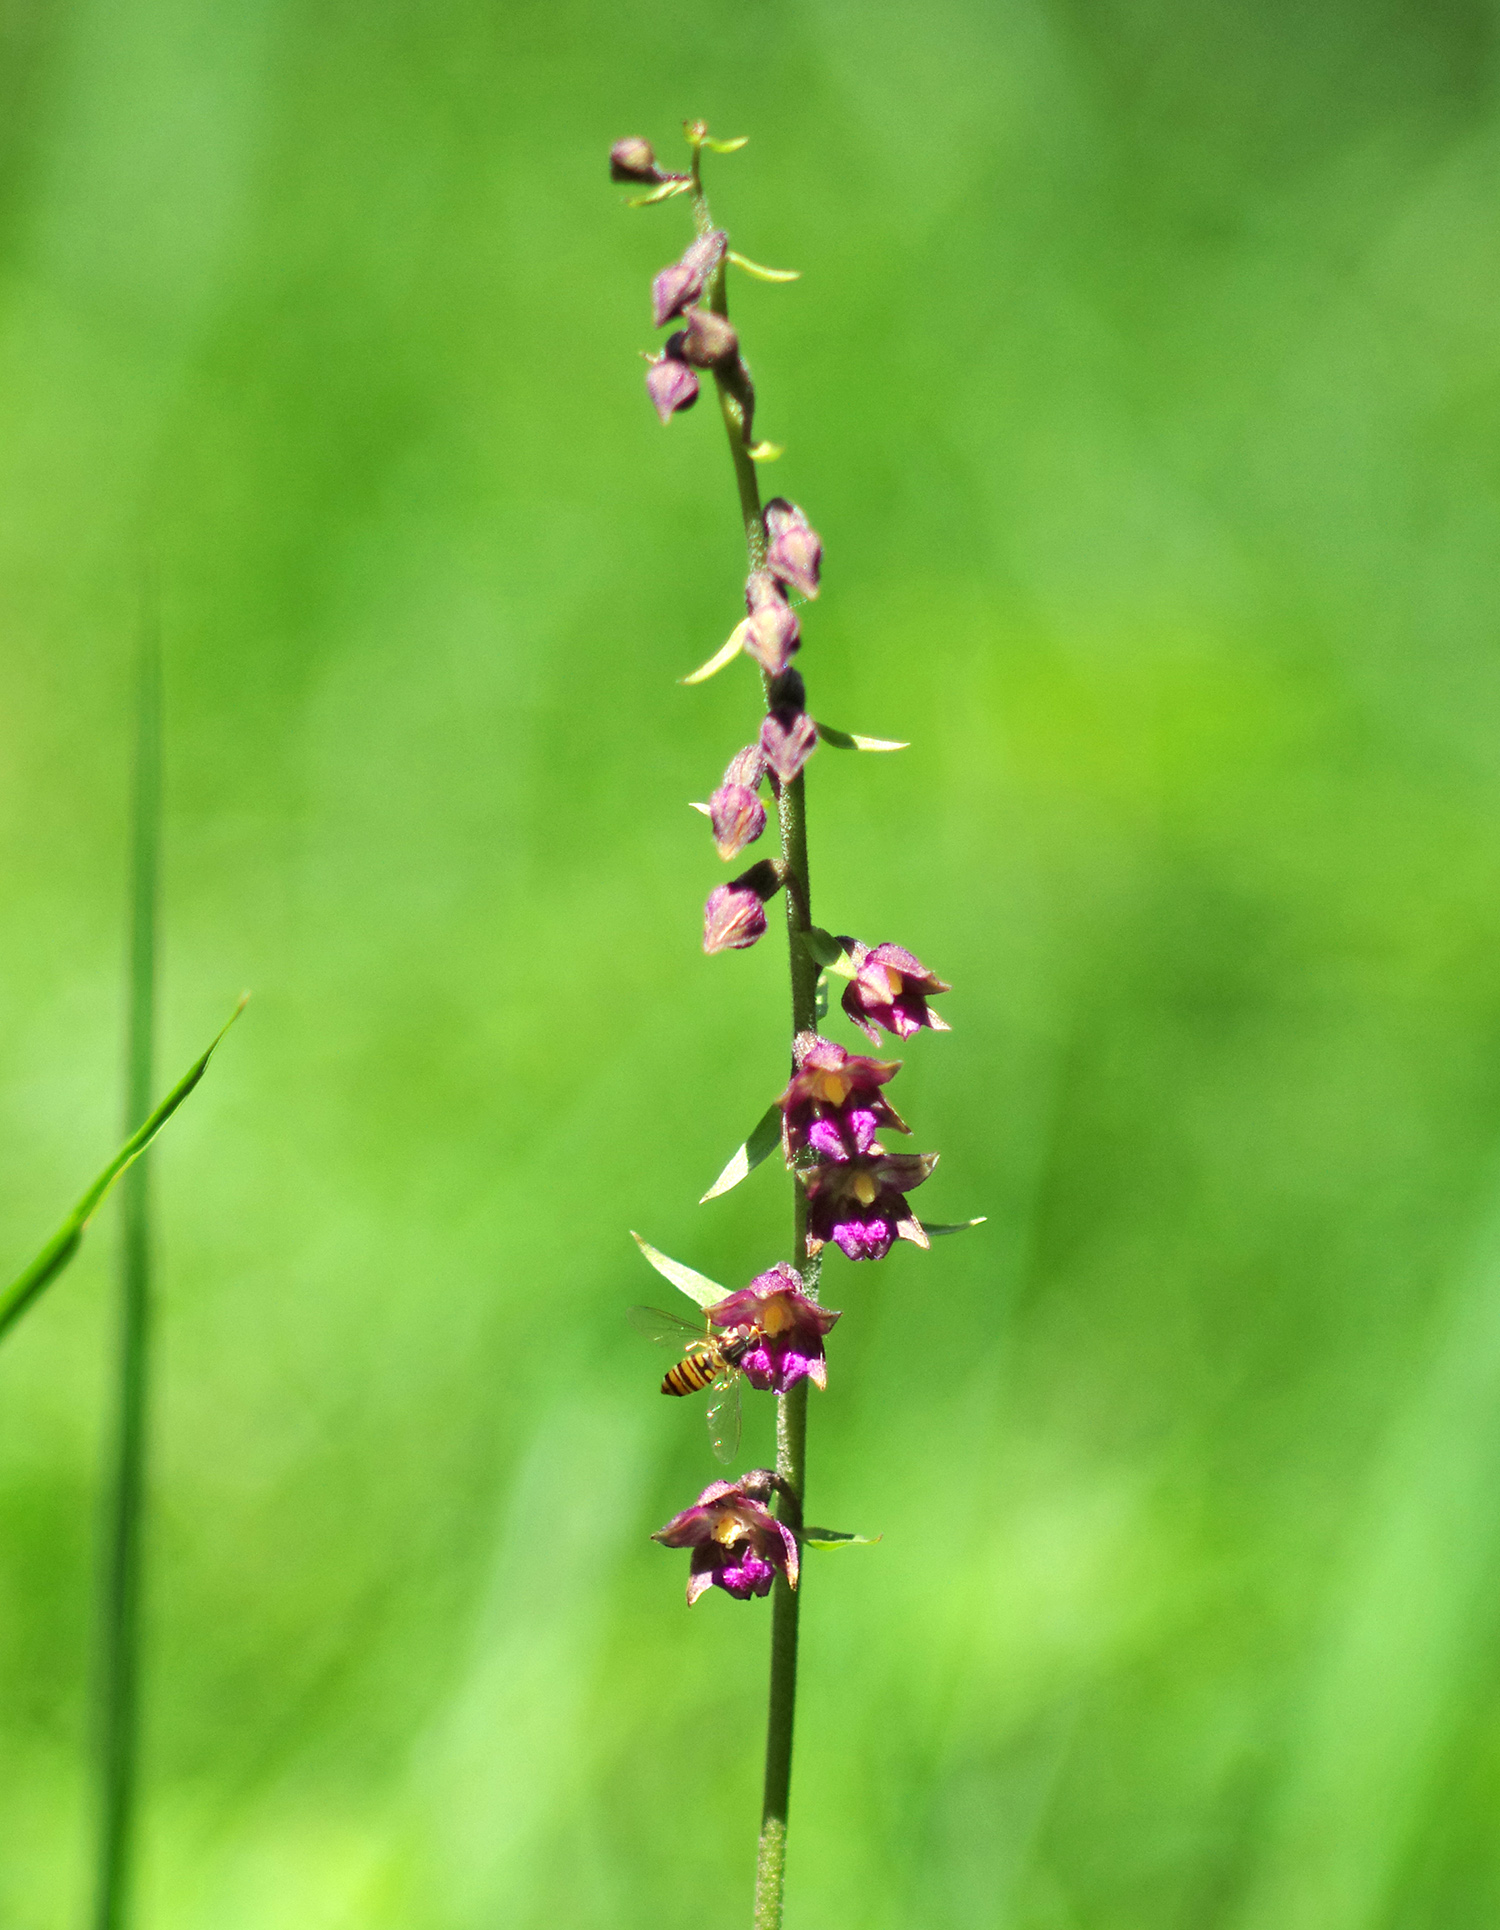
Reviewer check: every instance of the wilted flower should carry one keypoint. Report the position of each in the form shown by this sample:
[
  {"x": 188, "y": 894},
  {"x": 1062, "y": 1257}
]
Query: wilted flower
[
  {"x": 675, "y": 287},
  {"x": 634, "y": 160},
  {"x": 890, "y": 987},
  {"x": 738, "y": 1544},
  {"x": 671, "y": 384},
  {"x": 860, "y": 1202},
  {"x": 789, "y": 1345},
  {"x": 772, "y": 632},
  {"x": 794, "y": 551},
  {"x": 735, "y": 915},
  {"x": 707, "y": 340},
  {"x": 834, "y": 1103},
  {"x": 738, "y": 818}
]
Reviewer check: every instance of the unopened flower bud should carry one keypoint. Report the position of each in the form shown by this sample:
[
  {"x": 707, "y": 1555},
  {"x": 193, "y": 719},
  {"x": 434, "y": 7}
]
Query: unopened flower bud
[
  {"x": 735, "y": 915},
  {"x": 738, "y": 818},
  {"x": 675, "y": 287},
  {"x": 633, "y": 160},
  {"x": 708, "y": 339},
  {"x": 794, "y": 552},
  {"x": 772, "y": 632},
  {"x": 788, "y": 737},
  {"x": 788, "y": 692},
  {"x": 671, "y": 385},
  {"x": 747, "y": 767}
]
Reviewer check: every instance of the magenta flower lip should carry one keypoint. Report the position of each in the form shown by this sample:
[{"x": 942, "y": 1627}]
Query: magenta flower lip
[
  {"x": 788, "y": 1330},
  {"x": 738, "y": 1544},
  {"x": 860, "y": 1202},
  {"x": 834, "y": 1103},
  {"x": 890, "y": 988}
]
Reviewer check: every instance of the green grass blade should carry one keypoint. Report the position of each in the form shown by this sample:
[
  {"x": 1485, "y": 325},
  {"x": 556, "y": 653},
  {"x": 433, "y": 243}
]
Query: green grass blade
[
  {"x": 697, "y": 1286},
  {"x": 765, "y": 1137},
  {"x": 60, "y": 1249}
]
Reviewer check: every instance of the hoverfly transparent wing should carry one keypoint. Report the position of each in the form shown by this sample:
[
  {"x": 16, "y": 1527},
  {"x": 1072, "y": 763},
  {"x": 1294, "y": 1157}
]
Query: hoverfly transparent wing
[
  {"x": 724, "y": 1415},
  {"x": 668, "y": 1329}
]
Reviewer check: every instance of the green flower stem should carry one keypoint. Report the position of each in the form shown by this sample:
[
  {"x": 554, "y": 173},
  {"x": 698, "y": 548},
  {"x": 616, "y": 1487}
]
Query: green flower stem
[
  {"x": 120, "y": 1619},
  {"x": 791, "y": 1408}
]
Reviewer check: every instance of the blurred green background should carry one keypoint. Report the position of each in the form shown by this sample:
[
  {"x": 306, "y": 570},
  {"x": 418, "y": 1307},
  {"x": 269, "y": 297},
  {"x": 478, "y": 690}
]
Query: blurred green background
[{"x": 1144, "y": 384}]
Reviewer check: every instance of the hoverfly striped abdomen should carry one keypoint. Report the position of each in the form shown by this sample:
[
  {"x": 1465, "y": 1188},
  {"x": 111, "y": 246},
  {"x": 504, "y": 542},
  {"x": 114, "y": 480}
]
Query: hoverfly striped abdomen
[{"x": 702, "y": 1367}]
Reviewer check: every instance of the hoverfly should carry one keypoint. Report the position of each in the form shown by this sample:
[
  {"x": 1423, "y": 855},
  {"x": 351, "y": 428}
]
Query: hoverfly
[{"x": 708, "y": 1360}]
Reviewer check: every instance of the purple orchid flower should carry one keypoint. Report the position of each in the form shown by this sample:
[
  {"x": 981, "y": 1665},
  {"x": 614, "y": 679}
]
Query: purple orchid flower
[
  {"x": 834, "y": 1103},
  {"x": 684, "y": 281},
  {"x": 890, "y": 987},
  {"x": 789, "y": 1345},
  {"x": 860, "y": 1202},
  {"x": 738, "y": 1544},
  {"x": 794, "y": 550}
]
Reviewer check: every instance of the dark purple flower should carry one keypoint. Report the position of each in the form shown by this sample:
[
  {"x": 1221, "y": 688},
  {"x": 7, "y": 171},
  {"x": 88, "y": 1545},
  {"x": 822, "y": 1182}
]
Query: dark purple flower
[
  {"x": 708, "y": 339},
  {"x": 794, "y": 552},
  {"x": 860, "y": 1203},
  {"x": 834, "y": 1103},
  {"x": 788, "y": 737},
  {"x": 738, "y": 818},
  {"x": 890, "y": 987},
  {"x": 671, "y": 385},
  {"x": 735, "y": 915},
  {"x": 738, "y": 1544},
  {"x": 634, "y": 160},
  {"x": 675, "y": 287},
  {"x": 789, "y": 1340},
  {"x": 772, "y": 632}
]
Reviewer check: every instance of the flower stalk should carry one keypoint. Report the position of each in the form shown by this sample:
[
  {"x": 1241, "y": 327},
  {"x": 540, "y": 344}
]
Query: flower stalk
[{"x": 847, "y": 1188}]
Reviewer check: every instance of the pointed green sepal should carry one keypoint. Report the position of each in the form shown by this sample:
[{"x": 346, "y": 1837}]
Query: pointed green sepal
[
  {"x": 726, "y": 654},
  {"x": 762, "y": 1142},
  {"x": 933, "y": 1230},
  {"x": 697, "y": 1286},
  {"x": 843, "y": 740},
  {"x": 725, "y": 147},
  {"x": 834, "y": 1538},
  {"x": 761, "y": 272},
  {"x": 679, "y": 184},
  {"x": 66, "y": 1241}
]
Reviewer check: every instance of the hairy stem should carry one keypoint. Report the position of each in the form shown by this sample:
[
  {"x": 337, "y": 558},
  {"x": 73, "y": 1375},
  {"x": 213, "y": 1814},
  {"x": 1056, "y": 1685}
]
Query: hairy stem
[
  {"x": 791, "y": 1408},
  {"x": 120, "y": 1618}
]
